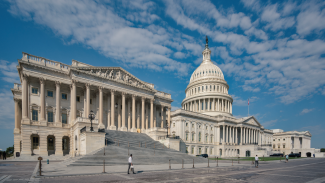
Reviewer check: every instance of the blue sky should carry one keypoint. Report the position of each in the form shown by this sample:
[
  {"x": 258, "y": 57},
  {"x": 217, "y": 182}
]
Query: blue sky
[{"x": 270, "y": 51}]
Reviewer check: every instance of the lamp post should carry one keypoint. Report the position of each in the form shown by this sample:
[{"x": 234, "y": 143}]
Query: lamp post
[
  {"x": 167, "y": 128},
  {"x": 91, "y": 116}
]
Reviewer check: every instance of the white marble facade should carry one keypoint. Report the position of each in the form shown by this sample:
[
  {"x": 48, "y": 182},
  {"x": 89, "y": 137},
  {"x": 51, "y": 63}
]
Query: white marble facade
[
  {"x": 205, "y": 123},
  {"x": 292, "y": 142},
  {"x": 54, "y": 100}
]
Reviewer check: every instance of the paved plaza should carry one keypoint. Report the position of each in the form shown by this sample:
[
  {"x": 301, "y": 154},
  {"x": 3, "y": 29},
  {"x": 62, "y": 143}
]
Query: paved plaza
[{"x": 300, "y": 170}]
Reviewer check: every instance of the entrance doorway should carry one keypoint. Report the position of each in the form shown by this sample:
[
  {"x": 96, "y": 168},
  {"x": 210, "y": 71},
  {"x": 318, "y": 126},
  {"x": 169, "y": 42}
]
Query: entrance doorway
[
  {"x": 248, "y": 154},
  {"x": 65, "y": 145},
  {"x": 35, "y": 144},
  {"x": 308, "y": 154},
  {"x": 50, "y": 144}
]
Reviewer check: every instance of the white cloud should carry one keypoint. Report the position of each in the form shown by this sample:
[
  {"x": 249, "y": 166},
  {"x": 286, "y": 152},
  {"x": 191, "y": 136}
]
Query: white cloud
[
  {"x": 270, "y": 123},
  {"x": 314, "y": 130},
  {"x": 9, "y": 72},
  {"x": 311, "y": 18},
  {"x": 243, "y": 102},
  {"x": 305, "y": 111},
  {"x": 7, "y": 117},
  {"x": 114, "y": 33},
  {"x": 275, "y": 20},
  {"x": 174, "y": 108}
]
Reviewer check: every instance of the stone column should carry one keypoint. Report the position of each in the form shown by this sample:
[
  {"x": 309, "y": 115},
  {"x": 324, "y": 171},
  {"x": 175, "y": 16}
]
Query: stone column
[
  {"x": 249, "y": 136},
  {"x": 73, "y": 103},
  {"x": 227, "y": 134},
  {"x": 123, "y": 113},
  {"x": 200, "y": 105},
  {"x": 155, "y": 115},
  {"x": 230, "y": 107},
  {"x": 147, "y": 116},
  {"x": 151, "y": 113},
  {"x": 133, "y": 114},
  {"x": 42, "y": 96},
  {"x": 129, "y": 114},
  {"x": 24, "y": 102},
  {"x": 119, "y": 111},
  {"x": 162, "y": 117},
  {"x": 17, "y": 117},
  {"x": 87, "y": 100},
  {"x": 204, "y": 105},
  {"x": 108, "y": 111},
  {"x": 244, "y": 135},
  {"x": 58, "y": 146},
  {"x": 168, "y": 120},
  {"x": 241, "y": 136},
  {"x": 142, "y": 114},
  {"x": 101, "y": 110},
  {"x": 113, "y": 127},
  {"x": 223, "y": 134},
  {"x": 233, "y": 135},
  {"x": 214, "y": 104},
  {"x": 138, "y": 115},
  {"x": 218, "y": 135},
  {"x": 236, "y": 133},
  {"x": 58, "y": 104},
  {"x": 222, "y": 107},
  {"x": 209, "y": 104}
]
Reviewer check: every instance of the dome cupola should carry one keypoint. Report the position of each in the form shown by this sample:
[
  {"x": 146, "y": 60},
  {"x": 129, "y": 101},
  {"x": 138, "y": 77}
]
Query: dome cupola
[{"x": 207, "y": 91}]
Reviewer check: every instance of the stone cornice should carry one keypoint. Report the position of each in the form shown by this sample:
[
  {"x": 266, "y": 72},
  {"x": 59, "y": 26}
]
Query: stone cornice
[
  {"x": 43, "y": 66},
  {"x": 207, "y": 80}
]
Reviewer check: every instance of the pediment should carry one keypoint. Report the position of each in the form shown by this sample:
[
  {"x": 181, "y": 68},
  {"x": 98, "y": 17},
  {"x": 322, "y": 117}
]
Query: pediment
[
  {"x": 308, "y": 133},
  {"x": 116, "y": 74},
  {"x": 252, "y": 121}
]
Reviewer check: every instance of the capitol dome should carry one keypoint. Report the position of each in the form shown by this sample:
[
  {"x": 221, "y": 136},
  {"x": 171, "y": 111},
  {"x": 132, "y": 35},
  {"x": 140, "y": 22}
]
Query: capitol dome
[{"x": 207, "y": 91}]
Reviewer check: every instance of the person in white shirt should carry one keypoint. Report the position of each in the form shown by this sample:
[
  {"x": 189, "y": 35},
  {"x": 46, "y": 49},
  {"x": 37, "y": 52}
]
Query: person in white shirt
[
  {"x": 256, "y": 161},
  {"x": 130, "y": 163}
]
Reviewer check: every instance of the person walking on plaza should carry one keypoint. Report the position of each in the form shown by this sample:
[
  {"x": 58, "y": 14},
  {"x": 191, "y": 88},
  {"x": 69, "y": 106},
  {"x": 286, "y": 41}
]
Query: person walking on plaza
[
  {"x": 130, "y": 164},
  {"x": 256, "y": 161},
  {"x": 4, "y": 155},
  {"x": 287, "y": 158}
]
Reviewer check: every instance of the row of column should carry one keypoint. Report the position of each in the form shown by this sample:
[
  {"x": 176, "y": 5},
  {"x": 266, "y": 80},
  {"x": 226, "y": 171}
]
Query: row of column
[
  {"x": 210, "y": 104},
  {"x": 111, "y": 111},
  {"x": 250, "y": 136}
]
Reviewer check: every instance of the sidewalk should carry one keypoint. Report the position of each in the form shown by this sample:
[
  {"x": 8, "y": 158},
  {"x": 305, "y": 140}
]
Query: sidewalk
[{"x": 55, "y": 169}]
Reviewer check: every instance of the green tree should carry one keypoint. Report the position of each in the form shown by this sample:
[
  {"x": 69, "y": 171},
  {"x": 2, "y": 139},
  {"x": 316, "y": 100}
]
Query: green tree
[
  {"x": 322, "y": 150},
  {"x": 10, "y": 151}
]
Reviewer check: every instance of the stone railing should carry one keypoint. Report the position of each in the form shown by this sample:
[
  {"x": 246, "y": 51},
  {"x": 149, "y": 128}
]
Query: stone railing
[
  {"x": 163, "y": 94},
  {"x": 45, "y": 62},
  {"x": 17, "y": 86},
  {"x": 85, "y": 120}
]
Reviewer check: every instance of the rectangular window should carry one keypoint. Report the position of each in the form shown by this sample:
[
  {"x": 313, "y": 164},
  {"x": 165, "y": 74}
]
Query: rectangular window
[
  {"x": 91, "y": 101},
  {"x": 64, "y": 96},
  {"x": 78, "y": 99},
  {"x": 211, "y": 151},
  {"x": 186, "y": 150},
  {"x": 34, "y": 90},
  {"x": 186, "y": 124},
  {"x": 199, "y": 136},
  {"x": 206, "y": 150},
  {"x": 192, "y": 150},
  {"x": 50, "y": 93},
  {"x": 173, "y": 124},
  {"x": 278, "y": 139},
  {"x": 35, "y": 115},
  {"x": 192, "y": 136},
  {"x": 192, "y": 125},
  {"x": 273, "y": 139},
  {"x": 199, "y": 150},
  {"x": 50, "y": 116},
  {"x": 273, "y": 146},
  {"x": 284, "y": 139},
  {"x": 206, "y": 138},
  {"x": 284, "y": 146},
  {"x": 186, "y": 136},
  {"x": 211, "y": 140},
  {"x": 64, "y": 118},
  {"x": 64, "y": 144},
  {"x": 50, "y": 143}
]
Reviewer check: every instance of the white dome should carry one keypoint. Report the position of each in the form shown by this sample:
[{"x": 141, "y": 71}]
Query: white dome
[
  {"x": 206, "y": 70},
  {"x": 207, "y": 92}
]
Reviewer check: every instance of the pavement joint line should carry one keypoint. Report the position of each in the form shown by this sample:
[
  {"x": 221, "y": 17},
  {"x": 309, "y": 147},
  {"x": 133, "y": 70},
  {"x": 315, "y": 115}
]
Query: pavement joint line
[
  {"x": 5, "y": 178},
  {"x": 284, "y": 175},
  {"x": 319, "y": 180}
]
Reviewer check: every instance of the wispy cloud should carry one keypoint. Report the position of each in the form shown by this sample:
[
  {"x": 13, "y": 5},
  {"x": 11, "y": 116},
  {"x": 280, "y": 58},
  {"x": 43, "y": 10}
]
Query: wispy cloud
[
  {"x": 270, "y": 123},
  {"x": 7, "y": 116},
  {"x": 9, "y": 72},
  {"x": 314, "y": 130},
  {"x": 305, "y": 111}
]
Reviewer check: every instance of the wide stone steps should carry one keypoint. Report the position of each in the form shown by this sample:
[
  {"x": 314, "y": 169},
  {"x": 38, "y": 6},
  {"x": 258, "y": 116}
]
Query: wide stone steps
[{"x": 117, "y": 152}]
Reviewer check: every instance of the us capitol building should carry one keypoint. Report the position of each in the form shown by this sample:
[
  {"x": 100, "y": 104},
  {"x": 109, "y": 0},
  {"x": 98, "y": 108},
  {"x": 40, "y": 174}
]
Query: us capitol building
[{"x": 54, "y": 101}]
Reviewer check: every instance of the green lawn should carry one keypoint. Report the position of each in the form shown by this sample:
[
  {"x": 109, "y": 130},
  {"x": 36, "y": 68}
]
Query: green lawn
[{"x": 253, "y": 158}]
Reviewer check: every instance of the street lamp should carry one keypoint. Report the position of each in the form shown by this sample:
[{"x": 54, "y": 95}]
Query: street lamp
[
  {"x": 167, "y": 128},
  {"x": 91, "y": 116}
]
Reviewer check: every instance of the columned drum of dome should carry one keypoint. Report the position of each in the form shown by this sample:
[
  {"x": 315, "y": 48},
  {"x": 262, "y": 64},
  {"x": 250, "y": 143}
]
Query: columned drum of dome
[{"x": 207, "y": 91}]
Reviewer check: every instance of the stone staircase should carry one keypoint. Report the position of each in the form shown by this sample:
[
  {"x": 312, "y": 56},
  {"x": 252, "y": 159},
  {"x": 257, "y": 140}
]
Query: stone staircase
[{"x": 144, "y": 149}]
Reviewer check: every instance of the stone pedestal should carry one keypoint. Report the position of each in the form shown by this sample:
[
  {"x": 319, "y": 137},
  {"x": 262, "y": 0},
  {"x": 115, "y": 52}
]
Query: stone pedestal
[
  {"x": 123, "y": 128},
  {"x": 112, "y": 127},
  {"x": 91, "y": 141},
  {"x": 176, "y": 144},
  {"x": 133, "y": 130}
]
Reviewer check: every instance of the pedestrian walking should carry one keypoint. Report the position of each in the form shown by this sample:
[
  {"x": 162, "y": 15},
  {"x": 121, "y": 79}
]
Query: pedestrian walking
[
  {"x": 314, "y": 155},
  {"x": 287, "y": 158},
  {"x": 130, "y": 164},
  {"x": 4, "y": 155},
  {"x": 256, "y": 161}
]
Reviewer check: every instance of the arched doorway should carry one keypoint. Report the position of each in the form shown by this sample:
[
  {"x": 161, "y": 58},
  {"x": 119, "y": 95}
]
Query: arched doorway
[
  {"x": 308, "y": 154},
  {"x": 248, "y": 153},
  {"x": 65, "y": 145},
  {"x": 50, "y": 144}
]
